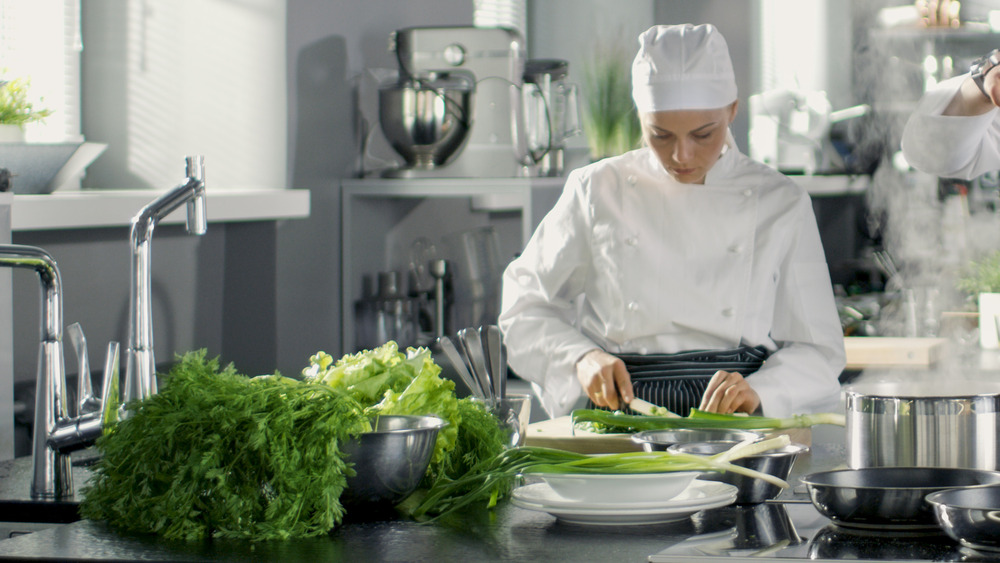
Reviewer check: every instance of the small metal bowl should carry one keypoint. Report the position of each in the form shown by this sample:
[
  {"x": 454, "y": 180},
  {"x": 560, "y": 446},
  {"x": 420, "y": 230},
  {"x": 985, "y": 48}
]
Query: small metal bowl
[
  {"x": 390, "y": 461},
  {"x": 660, "y": 440},
  {"x": 970, "y": 516},
  {"x": 887, "y": 498},
  {"x": 751, "y": 490}
]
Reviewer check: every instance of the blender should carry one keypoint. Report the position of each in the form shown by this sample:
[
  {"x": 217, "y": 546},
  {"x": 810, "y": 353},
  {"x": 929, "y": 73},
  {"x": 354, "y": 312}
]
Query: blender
[{"x": 551, "y": 114}]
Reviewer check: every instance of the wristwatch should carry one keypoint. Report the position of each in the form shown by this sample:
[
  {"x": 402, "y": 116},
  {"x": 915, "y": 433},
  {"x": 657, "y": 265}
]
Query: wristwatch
[{"x": 981, "y": 67}]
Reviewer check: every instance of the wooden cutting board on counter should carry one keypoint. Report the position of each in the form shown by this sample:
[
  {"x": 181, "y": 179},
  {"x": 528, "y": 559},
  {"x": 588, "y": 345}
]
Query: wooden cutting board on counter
[
  {"x": 559, "y": 433},
  {"x": 885, "y": 351}
]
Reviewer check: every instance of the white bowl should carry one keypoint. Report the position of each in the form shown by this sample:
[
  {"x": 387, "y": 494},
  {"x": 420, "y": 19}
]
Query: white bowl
[{"x": 627, "y": 487}]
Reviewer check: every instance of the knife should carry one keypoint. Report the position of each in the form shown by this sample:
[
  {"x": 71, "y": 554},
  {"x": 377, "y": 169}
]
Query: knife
[{"x": 647, "y": 408}]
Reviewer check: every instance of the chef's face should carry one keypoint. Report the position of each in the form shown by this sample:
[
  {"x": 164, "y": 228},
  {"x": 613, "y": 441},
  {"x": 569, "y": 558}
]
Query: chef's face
[{"x": 688, "y": 142}]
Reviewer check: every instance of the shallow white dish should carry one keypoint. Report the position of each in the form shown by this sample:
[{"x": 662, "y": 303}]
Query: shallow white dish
[
  {"x": 542, "y": 494},
  {"x": 627, "y": 487},
  {"x": 701, "y": 495}
]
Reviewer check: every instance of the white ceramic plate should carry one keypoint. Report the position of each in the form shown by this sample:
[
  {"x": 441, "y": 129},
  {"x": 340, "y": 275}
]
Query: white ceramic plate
[
  {"x": 627, "y": 488},
  {"x": 543, "y": 494},
  {"x": 705, "y": 495}
]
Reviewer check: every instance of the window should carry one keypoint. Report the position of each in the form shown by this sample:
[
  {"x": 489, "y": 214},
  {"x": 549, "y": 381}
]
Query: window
[{"x": 40, "y": 41}]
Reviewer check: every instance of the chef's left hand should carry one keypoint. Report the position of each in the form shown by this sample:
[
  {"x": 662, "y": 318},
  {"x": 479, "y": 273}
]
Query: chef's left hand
[{"x": 729, "y": 392}]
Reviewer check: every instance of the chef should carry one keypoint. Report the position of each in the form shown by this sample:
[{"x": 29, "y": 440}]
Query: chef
[
  {"x": 683, "y": 272},
  {"x": 955, "y": 130}
]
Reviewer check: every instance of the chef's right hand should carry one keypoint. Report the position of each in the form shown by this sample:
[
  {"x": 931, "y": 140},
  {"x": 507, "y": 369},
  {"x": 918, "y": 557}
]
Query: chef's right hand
[{"x": 603, "y": 377}]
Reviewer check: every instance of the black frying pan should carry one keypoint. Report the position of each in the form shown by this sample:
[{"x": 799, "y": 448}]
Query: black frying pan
[{"x": 887, "y": 497}]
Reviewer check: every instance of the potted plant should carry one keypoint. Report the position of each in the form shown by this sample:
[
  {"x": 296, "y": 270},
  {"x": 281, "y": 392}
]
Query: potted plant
[
  {"x": 981, "y": 280},
  {"x": 610, "y": 120},
  {"x": 17, "y": 110}
]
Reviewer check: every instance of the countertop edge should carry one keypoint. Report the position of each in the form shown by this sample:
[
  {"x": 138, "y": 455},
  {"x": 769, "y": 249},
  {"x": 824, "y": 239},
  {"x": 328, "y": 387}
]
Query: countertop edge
[{"x": 115, "y": 208}]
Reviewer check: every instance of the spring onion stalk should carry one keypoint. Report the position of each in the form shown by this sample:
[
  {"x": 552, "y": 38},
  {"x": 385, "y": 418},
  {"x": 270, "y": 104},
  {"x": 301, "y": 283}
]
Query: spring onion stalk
[
  {"x": 494, "y": 478},
  {"x": 603, "y": 419}
]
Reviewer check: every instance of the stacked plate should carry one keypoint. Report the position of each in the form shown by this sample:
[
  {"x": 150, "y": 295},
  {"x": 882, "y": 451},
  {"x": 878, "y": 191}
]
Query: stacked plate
[{"x": 601, "y": 510}]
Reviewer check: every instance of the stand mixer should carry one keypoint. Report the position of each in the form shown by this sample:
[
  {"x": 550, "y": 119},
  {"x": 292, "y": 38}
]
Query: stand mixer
[{"x": 456, "y": 109}]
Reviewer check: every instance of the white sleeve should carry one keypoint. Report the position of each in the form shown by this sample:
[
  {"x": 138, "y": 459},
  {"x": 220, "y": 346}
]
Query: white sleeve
[
  {"x": 802, "y": 375},
  {"x": 538, "y": 310},
  {"x": 951, "y": 146}
]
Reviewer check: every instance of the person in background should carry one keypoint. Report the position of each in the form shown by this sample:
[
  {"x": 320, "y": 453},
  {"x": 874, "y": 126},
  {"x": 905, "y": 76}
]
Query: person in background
[
  {"x": 683, "y": 272},
  {"x": 955, "y": 130}
]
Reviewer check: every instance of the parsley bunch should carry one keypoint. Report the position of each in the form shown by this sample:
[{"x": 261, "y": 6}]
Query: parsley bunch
[{"x": 218, "y": 454}]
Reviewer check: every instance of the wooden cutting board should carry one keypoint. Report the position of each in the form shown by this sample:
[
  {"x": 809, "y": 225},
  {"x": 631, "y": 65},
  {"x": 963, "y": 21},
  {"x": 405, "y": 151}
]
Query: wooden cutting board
[
  {"x": 559, "y": 433},
  {"x": 884, "y": 351}
]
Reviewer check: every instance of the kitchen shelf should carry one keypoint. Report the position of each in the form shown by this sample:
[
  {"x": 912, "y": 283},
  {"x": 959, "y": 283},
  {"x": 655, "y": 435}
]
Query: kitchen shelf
[
  {"x": 75, "y": 209},
  {"x": 381, "y": 217}
]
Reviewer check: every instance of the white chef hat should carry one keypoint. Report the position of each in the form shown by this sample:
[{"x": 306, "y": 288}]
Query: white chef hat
[{"x": 682, "y": 67}]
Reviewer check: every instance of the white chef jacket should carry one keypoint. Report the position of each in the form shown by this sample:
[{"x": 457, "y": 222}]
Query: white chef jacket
[
  {"x": 631, "y": 261},
  {"x": 951, "y": 146}
]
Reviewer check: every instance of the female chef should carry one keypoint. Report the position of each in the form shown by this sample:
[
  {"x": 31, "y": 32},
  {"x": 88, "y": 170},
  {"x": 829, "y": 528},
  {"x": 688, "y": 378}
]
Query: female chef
[
  {"x": 955, "y": 130},
  {"x": 675, "y": 271}
]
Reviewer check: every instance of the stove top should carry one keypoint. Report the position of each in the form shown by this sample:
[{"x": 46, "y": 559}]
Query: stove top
[{"x": 795, "y": 531}]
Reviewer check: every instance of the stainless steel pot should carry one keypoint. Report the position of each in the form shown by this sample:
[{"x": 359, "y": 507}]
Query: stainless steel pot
[{"x": 937, "y": 423}]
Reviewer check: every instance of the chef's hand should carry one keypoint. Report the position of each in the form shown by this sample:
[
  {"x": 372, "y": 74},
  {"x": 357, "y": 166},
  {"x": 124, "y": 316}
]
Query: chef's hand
[
  {"x": 603, "y": 377},
  {"x": 729, "y": 392}
]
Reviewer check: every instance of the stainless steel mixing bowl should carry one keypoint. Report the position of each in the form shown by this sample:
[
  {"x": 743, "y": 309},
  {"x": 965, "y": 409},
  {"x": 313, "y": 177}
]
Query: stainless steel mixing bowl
[
  {"x": 660, "y": 440},
  {"x": 390, "y": 460},
  {"x": 777, "y": 462},
  {"x": 427, "y": 119}
]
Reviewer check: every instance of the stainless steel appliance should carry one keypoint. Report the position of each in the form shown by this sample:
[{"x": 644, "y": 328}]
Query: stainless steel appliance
[
  {"x": 551, "y": 114},
  {"x": 432, "y": 61}
]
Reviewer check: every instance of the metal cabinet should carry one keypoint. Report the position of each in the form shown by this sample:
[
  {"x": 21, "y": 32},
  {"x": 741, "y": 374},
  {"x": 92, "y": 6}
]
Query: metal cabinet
[{"x": 388, "y": 225}]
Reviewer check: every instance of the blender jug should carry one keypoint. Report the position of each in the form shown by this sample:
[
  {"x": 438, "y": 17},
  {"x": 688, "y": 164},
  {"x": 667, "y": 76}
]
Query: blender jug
[{"x": 551, "y": 113}]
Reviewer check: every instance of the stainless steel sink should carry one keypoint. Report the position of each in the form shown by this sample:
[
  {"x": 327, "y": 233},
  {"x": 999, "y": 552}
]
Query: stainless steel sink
[{"x": 13, "y": 529}]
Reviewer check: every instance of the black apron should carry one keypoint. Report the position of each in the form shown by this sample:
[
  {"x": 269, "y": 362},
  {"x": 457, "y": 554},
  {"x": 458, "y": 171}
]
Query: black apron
[{"x": 677, "y": 381}]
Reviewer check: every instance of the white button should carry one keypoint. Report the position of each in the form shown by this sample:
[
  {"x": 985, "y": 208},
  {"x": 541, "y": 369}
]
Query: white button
[
  {"x": 632, "y": 241},
  {"x": 736, "y": 248},
  {"x": 633, "y": 306},
  {"x": 631, "y": 180},
  {"x": 747, "y": 192},
  {"x": 643, "y": 350},
  {"x": 727, "y": 312}
]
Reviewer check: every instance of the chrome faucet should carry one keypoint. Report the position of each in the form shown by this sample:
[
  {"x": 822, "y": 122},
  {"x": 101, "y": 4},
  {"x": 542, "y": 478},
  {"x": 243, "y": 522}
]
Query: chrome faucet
[
  {"x": 55, "y": 433},
  {"x": 140, "y": 367}
]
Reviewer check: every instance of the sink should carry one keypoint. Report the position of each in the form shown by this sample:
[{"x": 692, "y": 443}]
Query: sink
[
  {"x": 14, "y": 529},
  {"x": 22, "y": 514}
]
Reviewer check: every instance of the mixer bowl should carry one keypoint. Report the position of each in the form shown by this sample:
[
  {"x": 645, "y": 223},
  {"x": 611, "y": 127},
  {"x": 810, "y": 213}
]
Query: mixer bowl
[{"x": 426, "y": 120}]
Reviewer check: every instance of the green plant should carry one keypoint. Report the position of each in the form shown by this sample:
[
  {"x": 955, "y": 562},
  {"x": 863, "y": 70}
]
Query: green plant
[
  {"x": 15, "y": 107},
  {"x": 981, "y": 276},
  {"x": 610, "y": 120}
]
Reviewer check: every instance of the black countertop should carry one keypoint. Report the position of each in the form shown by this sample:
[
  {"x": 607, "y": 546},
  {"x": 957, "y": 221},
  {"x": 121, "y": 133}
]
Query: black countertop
[{"x": 783, "y": 531}]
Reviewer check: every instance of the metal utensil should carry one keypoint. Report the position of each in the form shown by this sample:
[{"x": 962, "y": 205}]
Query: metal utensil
[
  {"x": 493, "y": 344},
  {"x": 477, "y": 361},
  {"x": 451, "y": 352}
]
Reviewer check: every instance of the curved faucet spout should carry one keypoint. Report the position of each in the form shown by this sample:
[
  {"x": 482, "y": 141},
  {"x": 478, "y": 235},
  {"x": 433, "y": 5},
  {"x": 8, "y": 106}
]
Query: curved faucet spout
[
  {"x": 51, "y": 476},
  {"x": 140, "y": 367}
]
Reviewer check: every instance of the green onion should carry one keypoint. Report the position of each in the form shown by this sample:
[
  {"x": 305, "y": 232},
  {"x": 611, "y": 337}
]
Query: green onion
[
  {"x": 603, "y": 420},
  {"x": 496, "y": 477}
]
